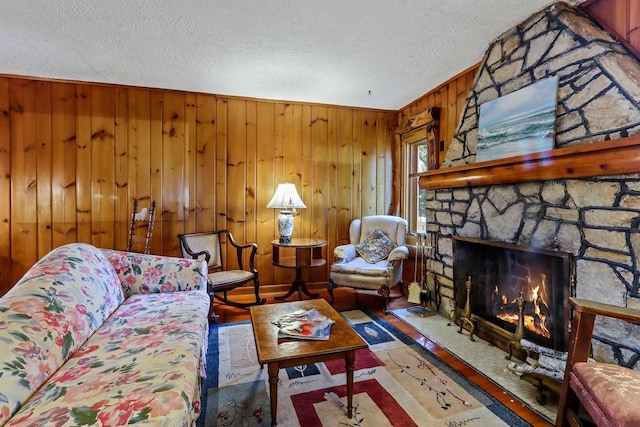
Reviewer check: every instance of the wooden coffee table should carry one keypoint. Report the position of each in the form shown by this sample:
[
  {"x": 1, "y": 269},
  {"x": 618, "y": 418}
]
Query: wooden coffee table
[{"x": 283, "y": 353}]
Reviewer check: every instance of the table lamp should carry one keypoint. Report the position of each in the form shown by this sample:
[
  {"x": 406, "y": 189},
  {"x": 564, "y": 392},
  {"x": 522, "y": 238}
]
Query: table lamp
[{"x": 286, "y": 198}]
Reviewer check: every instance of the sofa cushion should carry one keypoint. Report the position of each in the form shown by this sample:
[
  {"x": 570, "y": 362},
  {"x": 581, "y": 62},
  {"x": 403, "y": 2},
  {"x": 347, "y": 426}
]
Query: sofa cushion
[
  {"x": 142, "y": 365},
  {"x": 48, "y": 314},
  {"x": 146, "y": 274},
  {"x": 375, "y": 247}
]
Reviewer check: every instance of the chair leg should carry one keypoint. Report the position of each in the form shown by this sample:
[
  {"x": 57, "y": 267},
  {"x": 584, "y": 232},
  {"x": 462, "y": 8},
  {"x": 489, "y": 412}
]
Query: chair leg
[
  {"x": 256, "y": 289},
  {"x": 384, "y": 292},
  {"x": 568, "y": 408},
  {"x": 330, "y": 287},
  {"x": 213, "y": 317}
]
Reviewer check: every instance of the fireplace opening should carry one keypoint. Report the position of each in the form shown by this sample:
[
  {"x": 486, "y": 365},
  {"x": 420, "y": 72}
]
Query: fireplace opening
[{"x": 507, "y": 278}]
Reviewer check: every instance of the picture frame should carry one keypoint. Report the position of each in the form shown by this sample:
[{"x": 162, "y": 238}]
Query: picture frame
[{"x": 519, "y": 123}]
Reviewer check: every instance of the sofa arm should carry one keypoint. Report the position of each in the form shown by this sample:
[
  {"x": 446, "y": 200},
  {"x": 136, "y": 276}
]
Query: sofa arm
[
  {"x": 399, "y": 253},
  {"x": 345, "y": 252},
  {"x": 148, "y": 274}
]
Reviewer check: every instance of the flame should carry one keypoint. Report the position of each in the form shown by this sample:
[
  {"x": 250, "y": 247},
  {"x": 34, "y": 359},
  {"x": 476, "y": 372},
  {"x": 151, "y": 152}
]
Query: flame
[{"x": 538, "y": 321}]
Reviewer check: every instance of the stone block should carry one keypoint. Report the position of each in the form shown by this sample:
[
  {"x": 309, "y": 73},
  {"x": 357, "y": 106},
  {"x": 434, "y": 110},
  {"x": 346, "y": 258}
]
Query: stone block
[
  {"x": 625, "y": 72},
  {"x": 630, "y": 201},
  {"x": 563, "y": 214},
  {"x": 445, "y": 246},
  {"x": 569, "y": 238},
  {"x": 493, "y": 55},
  {"x": 609, "y": 257},
  {"x": 582, "y": 26},
  {"x": 539, "y": 26},
  {"x": 474, "y": 213},
  {"x": 564, "y": 43},
  {"x": 487, "y": 94},
  {"x": 516, "y": 83},
  {"x": 460, "y": 208},
  {"x": 470, "y": 229},
  {"x": 511, "y": 43},
  {"x": 538, "y": 48},
  {"x": 587, "y": 193},
  {"x": 530, "y": 190},
  {"x": 507, "y": 72},
  {"x": 502, "y": 227},
  {"x": 544, "y": 235},
  {"x": 461, "y": 194},
  {"x": 609, "y": 217},
  {"x": 553, "y": 192},
  {"x": 606, "y": 239},
  {"x": 502, "y": 196},
  {"x": 596, "y": 281},
  {"x": 601, "y": 117},
  {"x": 579, "y": 99}
]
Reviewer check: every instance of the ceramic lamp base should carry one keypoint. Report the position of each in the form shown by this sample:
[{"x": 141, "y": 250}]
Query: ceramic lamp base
[{"x": 285, "y": 226}]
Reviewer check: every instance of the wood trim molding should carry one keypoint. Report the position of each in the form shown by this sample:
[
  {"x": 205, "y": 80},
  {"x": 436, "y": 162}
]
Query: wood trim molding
[{"x": 617, "y": 157}]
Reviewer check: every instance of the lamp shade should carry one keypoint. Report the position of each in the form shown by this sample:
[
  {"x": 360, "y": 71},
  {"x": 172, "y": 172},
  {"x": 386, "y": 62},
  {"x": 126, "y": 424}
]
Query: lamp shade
[{"x": 286, "y": 197}]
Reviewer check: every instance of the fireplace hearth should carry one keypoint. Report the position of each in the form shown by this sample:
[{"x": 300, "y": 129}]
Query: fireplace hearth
[{"x": 507, "y": 279}]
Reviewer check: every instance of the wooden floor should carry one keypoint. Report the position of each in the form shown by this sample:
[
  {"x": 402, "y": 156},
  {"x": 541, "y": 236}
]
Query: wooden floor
[{"x": 347, "y": 298}]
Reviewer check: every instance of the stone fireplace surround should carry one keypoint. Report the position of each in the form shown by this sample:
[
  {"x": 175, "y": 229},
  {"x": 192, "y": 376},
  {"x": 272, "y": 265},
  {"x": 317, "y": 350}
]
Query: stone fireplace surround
[{"x": 595, "y": 217}]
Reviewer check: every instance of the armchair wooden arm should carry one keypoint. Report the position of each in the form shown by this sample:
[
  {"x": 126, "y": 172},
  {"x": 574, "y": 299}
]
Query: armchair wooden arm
[{"x": 240, "y": 251}]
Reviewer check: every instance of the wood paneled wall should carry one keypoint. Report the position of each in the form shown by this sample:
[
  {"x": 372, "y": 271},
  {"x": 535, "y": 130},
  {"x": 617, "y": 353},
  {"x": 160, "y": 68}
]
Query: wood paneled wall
[
  {"x": 74, "y": 157},
  {"x": 451, "y": 97}
]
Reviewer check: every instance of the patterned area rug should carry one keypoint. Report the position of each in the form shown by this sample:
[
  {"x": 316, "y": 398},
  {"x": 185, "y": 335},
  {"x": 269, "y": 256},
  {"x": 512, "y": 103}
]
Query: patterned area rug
[{"x": 397, "y": 382}]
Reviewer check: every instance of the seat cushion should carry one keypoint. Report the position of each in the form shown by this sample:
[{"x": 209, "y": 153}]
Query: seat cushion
[
  {"x": 361, "y": 267},
  {"x": 608, "y": 392},
  {"x": 375, "y": 247},
  {"x": 229, "y": 279}
]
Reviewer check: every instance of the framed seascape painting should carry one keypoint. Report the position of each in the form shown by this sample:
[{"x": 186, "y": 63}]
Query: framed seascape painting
[{"x": 518, "y": 123}]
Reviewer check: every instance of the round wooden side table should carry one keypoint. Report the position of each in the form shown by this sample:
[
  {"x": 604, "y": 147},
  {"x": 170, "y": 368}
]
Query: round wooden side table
[{"x": 308, "y": 254}]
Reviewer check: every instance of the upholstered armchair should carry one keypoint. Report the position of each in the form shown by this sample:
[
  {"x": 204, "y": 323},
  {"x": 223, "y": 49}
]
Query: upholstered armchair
[
  {"x": 607, "y": 392},
  {"x": 373, "y": 258}
]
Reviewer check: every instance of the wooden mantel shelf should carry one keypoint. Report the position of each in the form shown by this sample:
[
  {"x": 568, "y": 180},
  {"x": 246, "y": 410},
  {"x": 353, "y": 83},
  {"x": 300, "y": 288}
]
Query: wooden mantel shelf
[{"x": 617, "y": 157}]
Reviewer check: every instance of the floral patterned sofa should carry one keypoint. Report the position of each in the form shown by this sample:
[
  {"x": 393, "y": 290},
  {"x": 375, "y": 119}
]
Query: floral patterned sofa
[{"x": 102, "y": 337}]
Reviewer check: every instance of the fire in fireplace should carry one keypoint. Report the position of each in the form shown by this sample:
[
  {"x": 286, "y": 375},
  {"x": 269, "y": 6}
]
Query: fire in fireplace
[{"x": 503, "y": 276}]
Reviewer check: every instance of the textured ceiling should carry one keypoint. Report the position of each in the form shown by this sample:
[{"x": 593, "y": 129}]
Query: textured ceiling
[{"x": 367, "y": 53}]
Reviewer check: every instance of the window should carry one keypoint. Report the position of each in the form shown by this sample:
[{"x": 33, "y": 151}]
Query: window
[
  {"x": 416, "y": 161},
  {"x": 419, "y": 137}
]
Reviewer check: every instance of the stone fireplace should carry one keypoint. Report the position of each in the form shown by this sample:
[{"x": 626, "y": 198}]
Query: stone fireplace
[{"x": 594, "y": 218}]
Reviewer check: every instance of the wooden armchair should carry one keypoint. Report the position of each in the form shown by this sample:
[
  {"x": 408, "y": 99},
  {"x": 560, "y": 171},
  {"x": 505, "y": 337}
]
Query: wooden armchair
[
  {"x": 609, "y": 393},
  {"x": 209, "y": 246}
]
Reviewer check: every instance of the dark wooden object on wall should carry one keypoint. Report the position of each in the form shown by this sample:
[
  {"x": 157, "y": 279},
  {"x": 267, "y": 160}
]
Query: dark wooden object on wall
[{"x": 429, "y": 122}]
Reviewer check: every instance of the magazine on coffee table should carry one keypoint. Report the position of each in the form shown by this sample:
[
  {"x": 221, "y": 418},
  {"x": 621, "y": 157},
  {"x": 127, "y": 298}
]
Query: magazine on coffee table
[{"x": 304, "y": 324}]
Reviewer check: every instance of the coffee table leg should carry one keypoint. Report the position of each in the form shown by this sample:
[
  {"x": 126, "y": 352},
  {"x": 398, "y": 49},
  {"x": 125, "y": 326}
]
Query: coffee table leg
[
  {"x": 349, "y": 359},
  {"x": 273, "y": 369}
]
